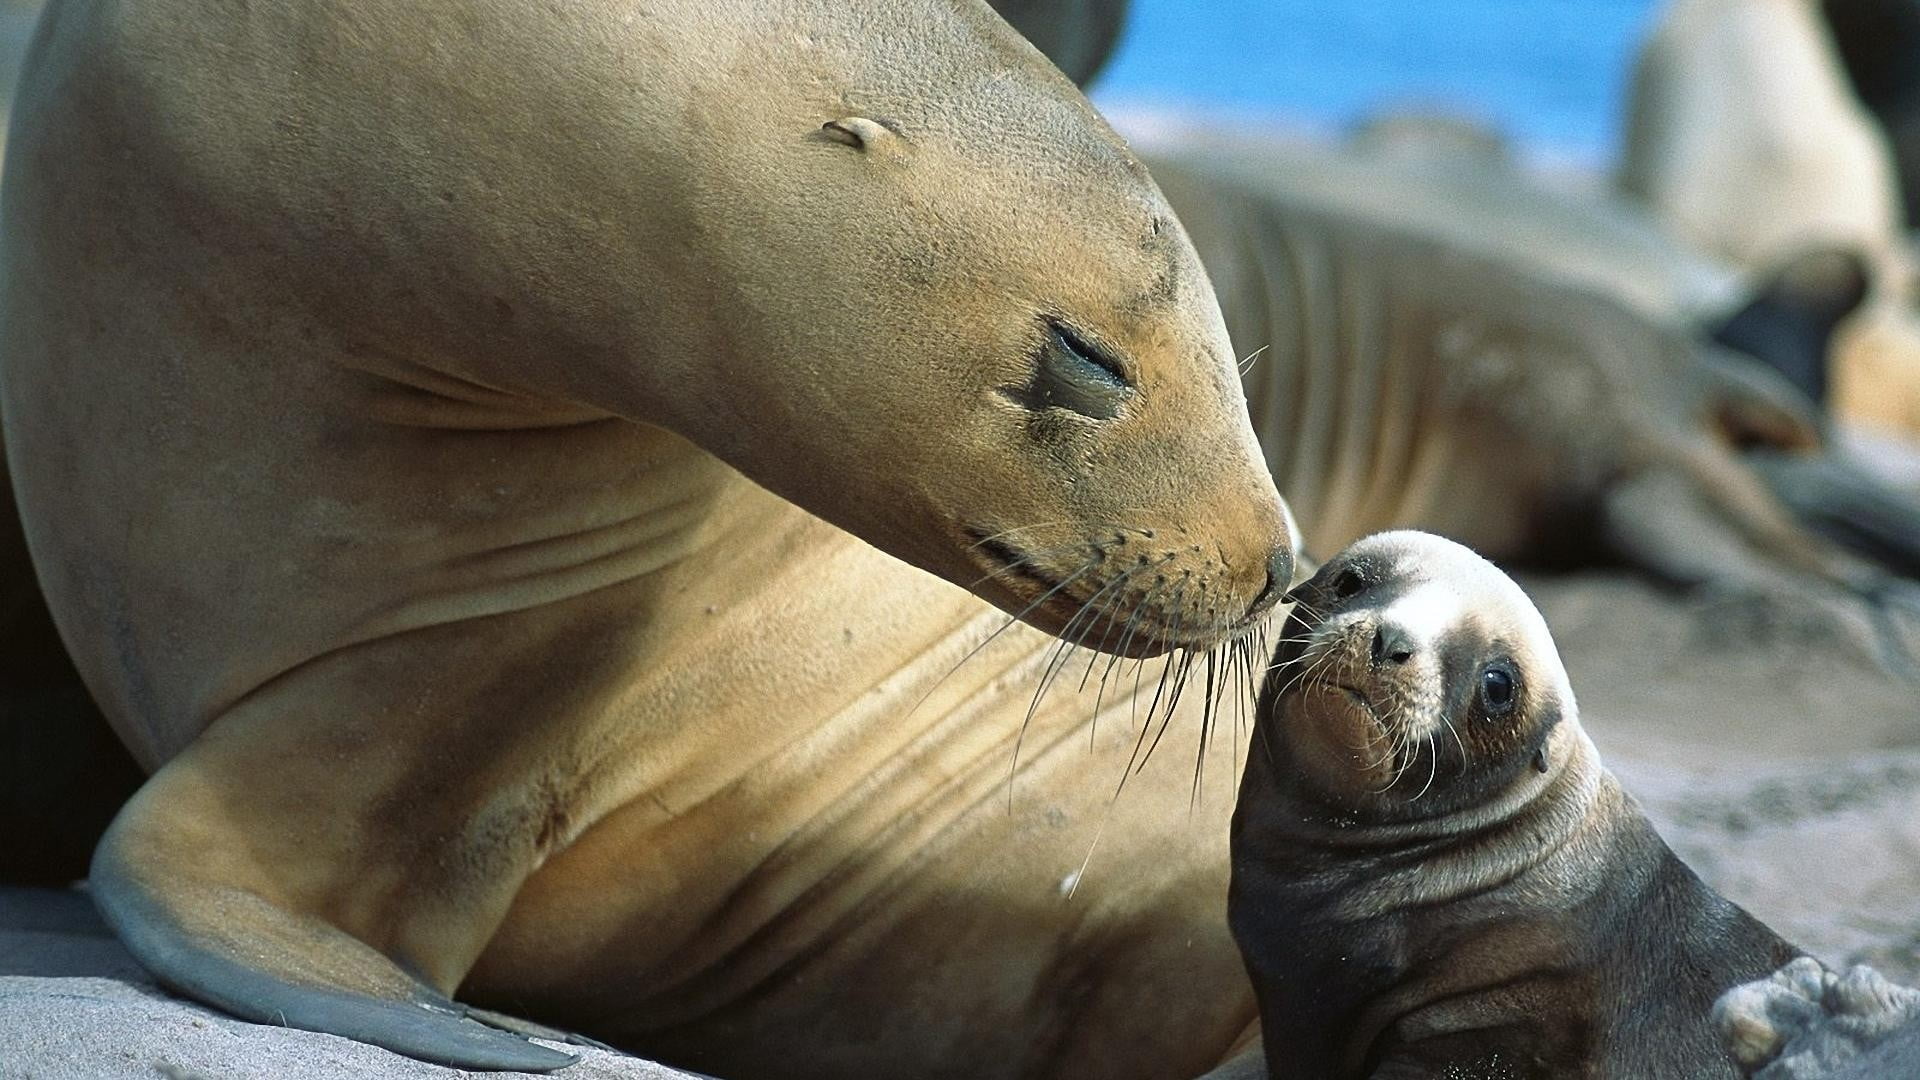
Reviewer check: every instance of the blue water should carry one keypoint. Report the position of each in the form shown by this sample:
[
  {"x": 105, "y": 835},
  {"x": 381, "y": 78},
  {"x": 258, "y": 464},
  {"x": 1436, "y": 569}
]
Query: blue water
[{"x": 1551, "y": 73}]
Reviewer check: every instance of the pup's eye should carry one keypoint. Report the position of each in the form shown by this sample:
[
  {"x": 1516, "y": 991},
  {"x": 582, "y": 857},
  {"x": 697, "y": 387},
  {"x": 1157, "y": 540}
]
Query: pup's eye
[
  {"x": 1496, "y": 689},
  {"x": 1348, "y": 584},
  {"x": 1073, "y": 373}
]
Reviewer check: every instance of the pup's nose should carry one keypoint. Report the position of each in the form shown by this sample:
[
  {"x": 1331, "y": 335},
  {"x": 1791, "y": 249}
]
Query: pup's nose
[
  {"x": 1279, "y": 576},
  {"x": 1391, "y": 644}
]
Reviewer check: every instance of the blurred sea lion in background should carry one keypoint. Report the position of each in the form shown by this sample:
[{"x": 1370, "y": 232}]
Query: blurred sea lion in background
[
  {"x": 1879, "y": 44},
  {"x": 1467, "y": 355},
  {"x": 1423, "y": 240},
  {"x": 1744, "y": 138},
  {"x": 1079, "y": 36}
]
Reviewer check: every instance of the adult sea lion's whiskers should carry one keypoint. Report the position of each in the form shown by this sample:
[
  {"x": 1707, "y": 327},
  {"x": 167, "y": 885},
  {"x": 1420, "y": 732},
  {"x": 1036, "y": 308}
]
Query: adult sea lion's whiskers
[
  {"x": 1027, "y": 561},
  {"x": 1001, "y": 629},
  {"x": 988, "y": 538},
  {"x": 1127, "y": 628},
  {"x": 1060, "y": 651},
  {"x": 1180, "y": 669},
  {"x": 1126, "y": 639},
  {"x": 1145, "y": 725},
  {"x": 1253, "y": 357},
  {"x": 1208, "y": 703}
]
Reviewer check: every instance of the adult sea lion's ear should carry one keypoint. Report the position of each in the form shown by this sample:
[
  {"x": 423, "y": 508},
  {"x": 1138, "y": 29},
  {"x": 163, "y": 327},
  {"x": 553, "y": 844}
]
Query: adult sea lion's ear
[{"x": 858, "y": 132}]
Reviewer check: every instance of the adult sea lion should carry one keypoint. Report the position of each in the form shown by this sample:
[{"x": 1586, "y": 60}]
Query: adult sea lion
[
  {"x": 444, "y": 539},
  {"x": 1684, "y": 320},
  {"x": 1432, "y": 873},
  {"x": 1744, "y": 137},
  {"x": 1878, "y": 42}
]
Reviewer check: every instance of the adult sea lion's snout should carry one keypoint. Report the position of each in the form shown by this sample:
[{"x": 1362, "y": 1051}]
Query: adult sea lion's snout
[{"x": 964, "y": 324}]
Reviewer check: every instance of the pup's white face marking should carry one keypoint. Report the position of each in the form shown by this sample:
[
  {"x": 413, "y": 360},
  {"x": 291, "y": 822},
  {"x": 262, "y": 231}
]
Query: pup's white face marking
[{"x": 1409, "y": 641}]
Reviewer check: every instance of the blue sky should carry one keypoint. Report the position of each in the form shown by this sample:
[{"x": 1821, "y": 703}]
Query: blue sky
[{"x": 1551, "y": 72}]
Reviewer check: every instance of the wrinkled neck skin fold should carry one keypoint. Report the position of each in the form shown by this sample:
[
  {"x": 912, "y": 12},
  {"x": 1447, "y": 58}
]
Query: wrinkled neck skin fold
[{"x": 1441, "y": 859}]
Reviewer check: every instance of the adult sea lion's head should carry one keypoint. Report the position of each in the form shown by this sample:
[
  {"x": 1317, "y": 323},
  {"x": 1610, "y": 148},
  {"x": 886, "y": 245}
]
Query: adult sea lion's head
[
  {"x": 958, "y": 319},
  {"x": 1414, "y": 680},
  {"x": 882, "y": 258}
]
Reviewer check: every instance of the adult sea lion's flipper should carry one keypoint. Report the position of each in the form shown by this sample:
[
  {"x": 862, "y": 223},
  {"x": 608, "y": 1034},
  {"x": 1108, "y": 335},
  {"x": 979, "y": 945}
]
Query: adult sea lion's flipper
[
  {"x": 1787, "y": 444},
  {"x": 240, "y": 950},
  {"x": 1708, "y": 521}
]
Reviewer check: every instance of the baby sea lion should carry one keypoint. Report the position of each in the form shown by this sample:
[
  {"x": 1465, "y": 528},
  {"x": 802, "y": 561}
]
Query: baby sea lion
[{"x": 1433, "y": 875}]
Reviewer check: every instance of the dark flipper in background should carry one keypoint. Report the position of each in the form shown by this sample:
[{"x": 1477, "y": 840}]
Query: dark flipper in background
[
  {"x": 1789, "y": 325},
  {"x": 1850, "y": 506}
]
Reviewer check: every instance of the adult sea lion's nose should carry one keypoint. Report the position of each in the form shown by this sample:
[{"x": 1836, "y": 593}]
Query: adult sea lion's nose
[{"x": 1279, "y": 577}]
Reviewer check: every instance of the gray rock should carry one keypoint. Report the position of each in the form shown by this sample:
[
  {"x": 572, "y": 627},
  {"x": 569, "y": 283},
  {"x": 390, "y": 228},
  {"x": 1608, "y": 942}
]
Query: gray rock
[{"x": 1809, "y": 1023}]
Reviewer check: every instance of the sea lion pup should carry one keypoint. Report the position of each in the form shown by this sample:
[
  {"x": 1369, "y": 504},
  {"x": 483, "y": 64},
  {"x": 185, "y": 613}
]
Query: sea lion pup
[
  {"x": 427, "y": 427},
  {"x": 1432, "y": 873}
]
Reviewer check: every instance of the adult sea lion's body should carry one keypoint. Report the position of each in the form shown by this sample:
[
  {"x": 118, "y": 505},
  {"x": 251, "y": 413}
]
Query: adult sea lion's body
[
  {"x": 376, "y": 384},
  {"x": 1433, "y": 874}
]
